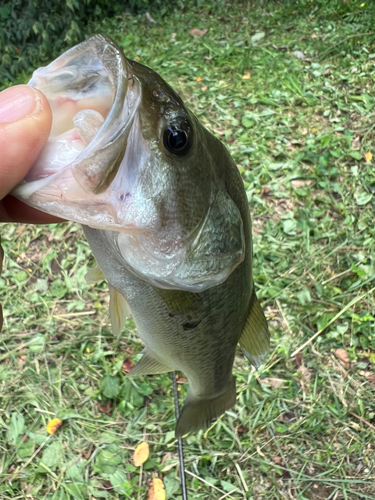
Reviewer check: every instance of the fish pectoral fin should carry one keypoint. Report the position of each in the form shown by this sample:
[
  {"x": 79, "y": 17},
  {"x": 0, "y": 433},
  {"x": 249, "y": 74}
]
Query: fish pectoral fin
[
  {"x": 148, "y": 365},
  {"x": 93, "y": 275},
  {"x": 255, "y": 337},
  {"x": 119, "y": 310},
  {"x": 198, "y": 413}
]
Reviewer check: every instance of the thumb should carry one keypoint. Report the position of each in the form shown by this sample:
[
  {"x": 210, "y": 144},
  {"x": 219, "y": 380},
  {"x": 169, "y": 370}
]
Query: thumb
[{"x": 25, "y": 124}]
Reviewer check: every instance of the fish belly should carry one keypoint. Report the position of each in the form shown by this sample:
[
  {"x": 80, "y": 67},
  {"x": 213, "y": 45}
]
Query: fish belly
[{"x": 181, "y": 331}]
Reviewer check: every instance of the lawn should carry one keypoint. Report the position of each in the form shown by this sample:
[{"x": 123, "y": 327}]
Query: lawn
[{"x": 288, "y": 87}]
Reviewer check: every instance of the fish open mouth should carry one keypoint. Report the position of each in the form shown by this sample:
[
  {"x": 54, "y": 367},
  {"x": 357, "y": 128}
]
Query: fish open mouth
[{"x": 94, "y": 101}]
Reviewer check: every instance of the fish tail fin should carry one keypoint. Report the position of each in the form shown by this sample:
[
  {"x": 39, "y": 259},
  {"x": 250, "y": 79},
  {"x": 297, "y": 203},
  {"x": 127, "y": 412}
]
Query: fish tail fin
[
  {"x": 255, "y": 337},
  {"x": 198, "y": 413}
]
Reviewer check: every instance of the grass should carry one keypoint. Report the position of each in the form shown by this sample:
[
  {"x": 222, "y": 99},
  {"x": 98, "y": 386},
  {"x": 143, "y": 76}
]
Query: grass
[{"x": 288, "y": 86}]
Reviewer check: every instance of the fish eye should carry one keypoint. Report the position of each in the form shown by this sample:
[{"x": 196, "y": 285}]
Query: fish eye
[{"x": 177, "y": 138}]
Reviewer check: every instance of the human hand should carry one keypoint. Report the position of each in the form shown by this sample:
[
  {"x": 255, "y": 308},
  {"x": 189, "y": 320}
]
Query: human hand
[{"x": 25, "y": 124}]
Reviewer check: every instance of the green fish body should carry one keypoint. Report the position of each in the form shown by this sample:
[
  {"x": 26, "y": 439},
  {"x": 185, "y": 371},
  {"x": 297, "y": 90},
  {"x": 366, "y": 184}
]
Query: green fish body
[{"x": 165, "y": 212}]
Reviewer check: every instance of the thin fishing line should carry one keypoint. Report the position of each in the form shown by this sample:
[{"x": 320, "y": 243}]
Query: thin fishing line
[{"x": 179, "y": 440}]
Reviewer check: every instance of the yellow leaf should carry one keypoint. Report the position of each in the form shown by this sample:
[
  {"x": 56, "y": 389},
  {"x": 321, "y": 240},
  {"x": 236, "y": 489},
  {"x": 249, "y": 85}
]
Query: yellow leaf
[
  {"x": 53, "y": 425},
  {"x": 246, "y": 76},
  {"x": 156, "y": 491},
  {"x": 141, "y": 454},
  {"x": 314, "y": 130},
  {"x": 368, "y": 156},
  {"x": 198, "y": 79},
  {"x": 363, "y": 4}
]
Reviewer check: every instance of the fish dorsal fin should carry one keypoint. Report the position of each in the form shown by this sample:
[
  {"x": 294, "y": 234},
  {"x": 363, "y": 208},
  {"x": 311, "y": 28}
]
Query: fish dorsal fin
[
  {"x": 93, "y": 275},
  {"x": 119, "y": 310},
  {"x": 255, "y": 337},
  {"x": 148, "y": 365}
]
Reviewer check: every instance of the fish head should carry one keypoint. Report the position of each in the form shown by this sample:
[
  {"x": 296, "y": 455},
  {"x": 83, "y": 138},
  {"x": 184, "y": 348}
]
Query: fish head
[{"x": 126, "y": 157}]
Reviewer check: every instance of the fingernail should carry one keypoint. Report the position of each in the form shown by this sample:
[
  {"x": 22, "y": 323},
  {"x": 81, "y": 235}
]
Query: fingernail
[{"x": 17, "y": 102}]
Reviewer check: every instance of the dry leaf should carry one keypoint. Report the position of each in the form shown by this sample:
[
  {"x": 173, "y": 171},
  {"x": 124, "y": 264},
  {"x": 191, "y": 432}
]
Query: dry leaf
[
  {"x": 53, "y": 425},
  {"x": 298, "y": 183},
  {"x": 314, "y": 35},
  {"x": 298, "y": 54},
  {"x": 167, "y": 456},
  {"x": 197, "y": 32},
  {"x": 343, "y": 357},
  {"x": 368, "y": 157},
  {"x": 21, "y": 360},
  {"x": 275, "y": 383},
  {"x": 156, "y": 491},
  {"x": 127, "y": 365},
  {"x": 141, "y": 454},
  {"x": 241, "y": 430},
  {"x": 284, "y": 473},
  {"x": 150, "y": 19},
  {"x": 356, "y": 142},
  {"x": 289, "y": 416},
  {"x": 204, "y": 88},
  {"x": 105, "y": 408},
  {"x": 246, "y": 76},
  {"x": 304, "y": 373},
  {"x": 298, "y": 359},
  {"x": 168, "y": 467},
  {"x": 370, "y": 377}
]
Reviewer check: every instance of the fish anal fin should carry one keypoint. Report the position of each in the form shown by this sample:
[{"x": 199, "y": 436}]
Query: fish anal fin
[
  {"x": 255, "y": 337},
  {"x": 119, "y": 310},
  {"x": 148, "y": 365},
  {"x": 198, "y": 413}
]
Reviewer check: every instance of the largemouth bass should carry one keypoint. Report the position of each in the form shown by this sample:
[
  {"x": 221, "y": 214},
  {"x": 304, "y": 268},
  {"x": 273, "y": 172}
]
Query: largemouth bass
[{"x": 165, "y": 212}]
